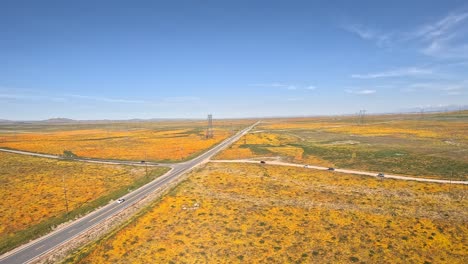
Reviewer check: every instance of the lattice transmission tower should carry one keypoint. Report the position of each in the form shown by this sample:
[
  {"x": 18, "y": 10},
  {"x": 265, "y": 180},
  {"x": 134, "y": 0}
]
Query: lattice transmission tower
[
  {"x": 362, "y": 114},
  {"x": 209, "y": 129}
]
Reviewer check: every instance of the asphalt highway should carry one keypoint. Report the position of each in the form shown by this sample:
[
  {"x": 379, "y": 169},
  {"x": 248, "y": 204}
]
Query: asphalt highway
[{"x": 33, "y": 250}]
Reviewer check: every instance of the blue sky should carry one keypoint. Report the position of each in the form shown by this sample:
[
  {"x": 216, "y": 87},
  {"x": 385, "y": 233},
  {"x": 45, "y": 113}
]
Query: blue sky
[{"x": 156, "y": 59}]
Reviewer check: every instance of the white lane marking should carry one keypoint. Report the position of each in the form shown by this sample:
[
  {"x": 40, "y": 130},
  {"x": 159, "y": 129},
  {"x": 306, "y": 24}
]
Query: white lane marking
[
  {"x": 100, "y": 214},
  {"x": 40, "y": 247}
]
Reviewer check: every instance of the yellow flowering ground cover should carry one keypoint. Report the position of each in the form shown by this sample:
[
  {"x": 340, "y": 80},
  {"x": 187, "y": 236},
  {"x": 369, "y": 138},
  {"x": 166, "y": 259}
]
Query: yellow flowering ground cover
[
  {"x": 249, "y": 213},
  {"x": 167, "y": 142},
  {"x": 35, "y": 192},
  {"x": 436, "y": 125},
  {"x": 303, "y": 123}
]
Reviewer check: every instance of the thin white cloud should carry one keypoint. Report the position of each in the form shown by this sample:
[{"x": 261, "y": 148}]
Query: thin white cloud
[
  {"x": 295, "y": 99},
  {"x": 367, "y": 33},
  {"x": 403, "y": 72},
  {"x": 444, "y": 38},
  {"x": 442, "y": 48},
  {"x": 361, "y": 92},
  {"x": 106, "y": 99},
  {"x": 443, "y": 27},
  {"x": 14, "y": 93},
  {"x": 361, "y": 31},
  {"x": 13, "y": 96},
  {"x": 32, "y": 97},
  {"x": 451, "y": 88},
  {"x": 275, "y": 85},
  {"x": 290, "y": 87},
  {"x": 280, "y": 85},
  {"x": 181, "y": 99}
]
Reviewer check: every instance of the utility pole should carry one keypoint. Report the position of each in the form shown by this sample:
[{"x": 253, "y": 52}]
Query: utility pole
[
  {"x": 363, "y": 114},
  {"x": 65, "y": 192},
  {"x": 181, "y": 149},
  {"x": 146, "y": 164},
  {"x": 450, "y": 181},
  {"x": 209, "y": 129}
]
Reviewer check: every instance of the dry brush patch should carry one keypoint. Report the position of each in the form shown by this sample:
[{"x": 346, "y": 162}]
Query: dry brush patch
[
  {"x": 254, "y": 213},
  {"x": 37, "y": 191}
]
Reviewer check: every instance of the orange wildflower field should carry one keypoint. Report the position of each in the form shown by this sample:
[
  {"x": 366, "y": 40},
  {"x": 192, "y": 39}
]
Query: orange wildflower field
[
  {"x": 431, "y": 145},
  {"x": 252, "y": 213},
  {"x": 269, "y": 145},
  {"x": 153, "y": 141},
  {"x": 36, "y": 192}
]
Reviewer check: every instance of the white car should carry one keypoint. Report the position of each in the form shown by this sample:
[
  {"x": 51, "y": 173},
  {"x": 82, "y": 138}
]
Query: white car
[{"x": 121, "y": 200}]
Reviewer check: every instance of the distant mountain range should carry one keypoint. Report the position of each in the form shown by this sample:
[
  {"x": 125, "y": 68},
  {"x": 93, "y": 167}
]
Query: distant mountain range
[
  {"x": 62, "y": 120},
  {"x": 59, "y": 120},
  {"x": 435, "y": 108}
]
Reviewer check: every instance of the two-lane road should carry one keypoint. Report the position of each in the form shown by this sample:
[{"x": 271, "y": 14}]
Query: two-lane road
[
  {"x": 90, "y": 160},
  {"x": 48, "y": 243}
]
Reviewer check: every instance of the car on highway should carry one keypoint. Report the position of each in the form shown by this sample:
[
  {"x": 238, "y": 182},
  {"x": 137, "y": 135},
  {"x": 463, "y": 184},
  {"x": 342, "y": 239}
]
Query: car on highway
[
  {"x": 331, "y": 169},
  {"x": 262, "y": 162},
  {"x": 121, "y": 200},
  {"x": 381, "y": 175},
  {"x": 306, "y": 166}
]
